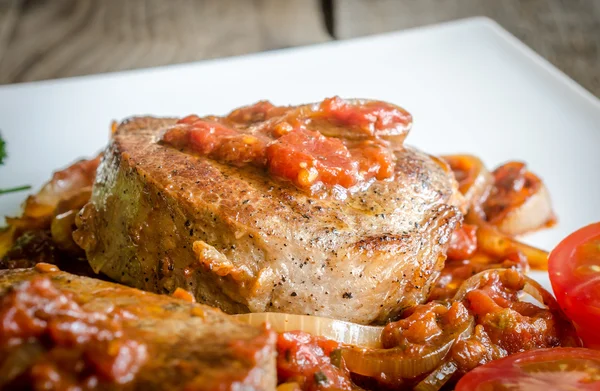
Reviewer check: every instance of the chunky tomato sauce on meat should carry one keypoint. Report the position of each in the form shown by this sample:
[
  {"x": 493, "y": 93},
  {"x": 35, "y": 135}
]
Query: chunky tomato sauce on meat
[
  {"x": 336, "y": 144},
  {"x": 70, "y": 348}
]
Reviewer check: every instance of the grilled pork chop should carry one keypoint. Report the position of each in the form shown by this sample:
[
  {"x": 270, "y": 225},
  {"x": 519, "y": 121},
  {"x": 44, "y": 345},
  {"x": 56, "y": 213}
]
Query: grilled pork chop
[
  {"x": 240, "y": 240},
  {"x": 58, "y": 330}
]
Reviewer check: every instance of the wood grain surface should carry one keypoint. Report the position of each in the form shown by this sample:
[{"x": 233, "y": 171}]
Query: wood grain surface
[{"x": 44, "y": 39}]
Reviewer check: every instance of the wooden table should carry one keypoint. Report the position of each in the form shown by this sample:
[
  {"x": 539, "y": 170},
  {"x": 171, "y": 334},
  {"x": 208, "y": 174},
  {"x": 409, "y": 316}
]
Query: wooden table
[{"x": 43, "y": 39}]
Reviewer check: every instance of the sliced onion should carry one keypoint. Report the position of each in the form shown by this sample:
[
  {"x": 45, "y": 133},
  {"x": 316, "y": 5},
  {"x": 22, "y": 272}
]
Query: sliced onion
[
  {"x": 535, "y": 293},
  {"x": 535, "y": 290},
  {"x": 565, "y": 328},
  {"x": 61, "y": 230},
  {"x": 531, "y": 287},
  {"x": 394, "y": 364},
  {"x": 436, "y": 379},
  {"x": 474, "y": 282},
  {"x": 493, "y": 242},
  {"x": 568, "y": 335},
  {"x": 64, "y": 185},
  {"x": 68, "y": 189},
  {"x": 535, "y": 213},
  {"x": 478, "y": 181},
  {"x": 344, "y": 332}
]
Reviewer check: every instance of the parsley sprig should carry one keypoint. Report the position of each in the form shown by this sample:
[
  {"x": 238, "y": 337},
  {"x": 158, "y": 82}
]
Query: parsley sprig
[
  {"x": 3, "y": 156},
  {"x": 2, "y": 150}
]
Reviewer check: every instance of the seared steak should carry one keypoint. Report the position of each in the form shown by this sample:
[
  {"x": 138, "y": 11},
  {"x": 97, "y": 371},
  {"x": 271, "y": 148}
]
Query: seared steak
[
  {"x": 59, "y": 330},
  {"x": 161, "y": 218}
]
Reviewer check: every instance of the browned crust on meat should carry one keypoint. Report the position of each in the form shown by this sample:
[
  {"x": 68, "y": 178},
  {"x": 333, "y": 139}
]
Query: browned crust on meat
[{"x": 267, "y": 239}]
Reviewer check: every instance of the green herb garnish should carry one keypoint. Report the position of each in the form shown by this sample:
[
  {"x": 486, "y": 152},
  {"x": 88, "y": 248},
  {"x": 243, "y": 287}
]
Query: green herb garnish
[
  {"x": 3, "y": 156},
  {"x": 15, "y": 189},
  {"x": 2, "y": 150},
  {"x": 336, "y": 358},
  {"x": 321, "y": 378}
]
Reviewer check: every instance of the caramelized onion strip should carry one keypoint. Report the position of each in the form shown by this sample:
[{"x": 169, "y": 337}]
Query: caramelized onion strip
[
  {"x": 436, "y": 379},
  {"x": 474, "y": 179},
  {"x": 493, "y": 242},
  {"x": 535, "y": 290},
  {"x": 344, "y": 332},
  {"x": 395, "y": 363},
  {"x": 475, "y": 282},
  {"x": 531, "y": 287}
]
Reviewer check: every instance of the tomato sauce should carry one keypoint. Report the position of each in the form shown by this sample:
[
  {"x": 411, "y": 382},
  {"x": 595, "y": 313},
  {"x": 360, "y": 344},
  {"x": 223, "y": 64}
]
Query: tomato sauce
[
  {"x": 463, "y": 243},
  {"x": 427, "y": 330},
  {"x": 515, "y": 325},
  {"x": 503, "y": 323},
  {"x": 372, "y": 118},
  {"x": 424, "y": 326},
  {"x": 217, "y": 141},
  {"x": 456, "y": 271},
  {"x": 335, "y": 144},
  {"x": 314, "y": 363},
  {"x": 510, "y": 323},
  {"x": 75, "y": 348}
]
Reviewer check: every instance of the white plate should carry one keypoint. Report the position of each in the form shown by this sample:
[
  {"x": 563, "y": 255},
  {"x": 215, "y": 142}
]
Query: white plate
[{"x": 471, "y": 87}]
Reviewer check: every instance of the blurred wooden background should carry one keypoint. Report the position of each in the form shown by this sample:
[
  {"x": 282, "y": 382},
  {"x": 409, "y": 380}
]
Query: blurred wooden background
[{"x": 43, "y": 39}]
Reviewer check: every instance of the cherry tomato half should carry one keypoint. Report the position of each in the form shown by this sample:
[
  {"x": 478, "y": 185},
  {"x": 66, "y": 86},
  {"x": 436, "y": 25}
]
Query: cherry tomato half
[
  {"x": 555, "y": 369},
  {"x": 574, "y": 267}
]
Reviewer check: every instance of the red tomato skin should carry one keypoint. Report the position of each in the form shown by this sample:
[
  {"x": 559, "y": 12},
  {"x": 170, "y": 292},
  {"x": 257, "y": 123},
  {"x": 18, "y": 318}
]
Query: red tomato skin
[
  {"x": 576, "y": 305},
  {"x": 508, "y": 368}
]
